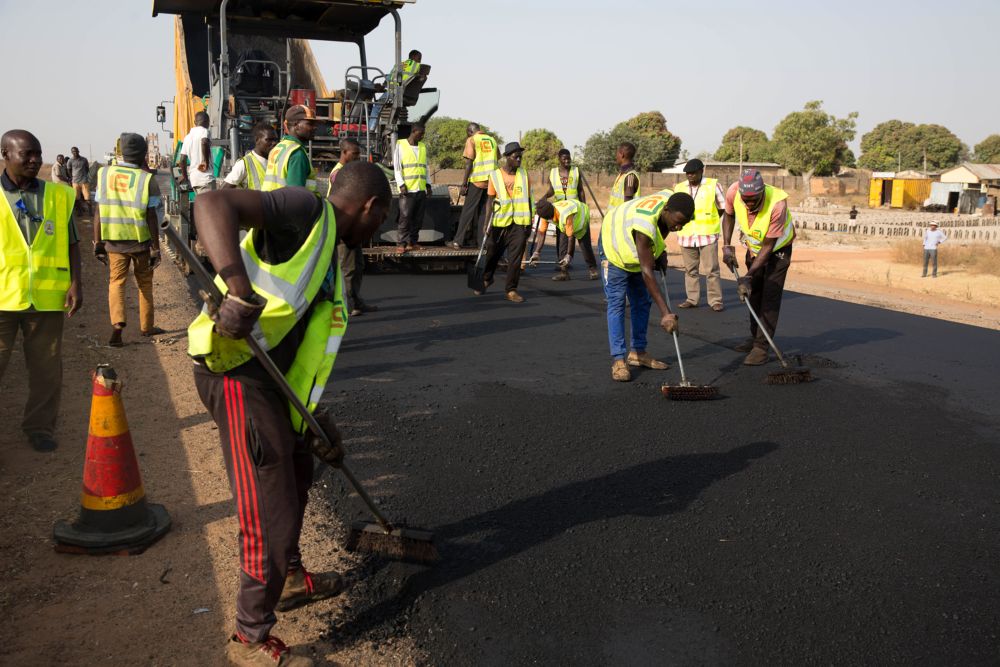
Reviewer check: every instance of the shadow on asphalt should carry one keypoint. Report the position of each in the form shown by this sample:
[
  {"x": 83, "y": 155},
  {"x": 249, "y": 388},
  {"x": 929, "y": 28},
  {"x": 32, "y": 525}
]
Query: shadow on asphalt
[
  {"x": 837, "y": 339},
  {"x": 365, "y": 370},
  {"x": 654, "y": 489}
]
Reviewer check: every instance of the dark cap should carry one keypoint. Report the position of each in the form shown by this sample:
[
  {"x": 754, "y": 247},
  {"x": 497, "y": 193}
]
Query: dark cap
[
  {"x": 751, "y": 182},
  {"x": 512, "y": 147},
  {"x": 132, "y": 145},
  {"x": 299, "y": 112},
  {"x": 693, "y": 165}
]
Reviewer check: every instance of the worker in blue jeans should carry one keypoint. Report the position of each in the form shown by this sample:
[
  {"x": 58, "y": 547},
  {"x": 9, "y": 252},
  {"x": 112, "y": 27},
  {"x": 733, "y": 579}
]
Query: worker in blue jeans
[{"x": 633, "y": 240}]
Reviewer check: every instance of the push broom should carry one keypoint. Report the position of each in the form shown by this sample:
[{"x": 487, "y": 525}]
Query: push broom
[
  {"x": 685, "y": 391},
  {"x": 380, "y": 536}
]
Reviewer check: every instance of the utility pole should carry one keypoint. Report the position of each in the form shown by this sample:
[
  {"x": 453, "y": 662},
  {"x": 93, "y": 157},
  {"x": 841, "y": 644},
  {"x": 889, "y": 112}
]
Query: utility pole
[{"x": 925, "y": 160}]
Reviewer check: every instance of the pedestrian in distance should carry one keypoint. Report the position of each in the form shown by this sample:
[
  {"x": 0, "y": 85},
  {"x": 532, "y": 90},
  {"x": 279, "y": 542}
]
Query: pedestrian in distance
[
  {"x": 481, "y": 159},
  {"x": 288, "y": 162},
  {"x": 248, "y": 171},
  {"x": 196, "y": 151},
  {"x": 572, "y": 220},
  {"x": 853, "y": 213},
  {"x": 290, "y": 294},
  {"x": 60, "y": 171},
  {"x": 40, "y": 283},
  {"x": 126, "y": 233},
  {"x": 351, "y": 259},
  {"x": 409, "y": 160},
  {"x": 633, "y": 238},
  {"x": 933, "y": 237},
  {"x": 79, "y": 173},
  {"x": 699, "y": 240},
  {"x": 767, "y": 232}
]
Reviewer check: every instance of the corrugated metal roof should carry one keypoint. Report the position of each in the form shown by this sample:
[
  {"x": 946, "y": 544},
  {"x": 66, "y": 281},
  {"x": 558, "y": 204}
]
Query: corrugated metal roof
[{"x": 983, "y": 171}]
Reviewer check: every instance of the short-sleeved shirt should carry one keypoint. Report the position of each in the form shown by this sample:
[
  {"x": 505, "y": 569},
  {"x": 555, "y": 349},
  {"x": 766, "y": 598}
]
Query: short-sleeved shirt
[
  {"x": 155, "y": 203},
  {"x": 299, "y": 167},
  {"x": 79, "y": 169},
  {"x": 778, "y": 213},
  {"x": 470, "y": 154},
  {"x": 29, "y": 214},
  {"x": 191, "y": 149},
  {"x": 238, "y": 174},
  {"x": 508, "y": 180}
]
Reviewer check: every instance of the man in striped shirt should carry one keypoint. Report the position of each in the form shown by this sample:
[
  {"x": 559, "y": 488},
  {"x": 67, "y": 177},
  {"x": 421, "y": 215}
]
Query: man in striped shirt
[{"x": 699, "y": 240}]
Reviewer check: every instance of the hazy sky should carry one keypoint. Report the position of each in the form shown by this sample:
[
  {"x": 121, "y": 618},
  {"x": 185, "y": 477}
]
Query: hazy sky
[{"x": 79, "y": 72}]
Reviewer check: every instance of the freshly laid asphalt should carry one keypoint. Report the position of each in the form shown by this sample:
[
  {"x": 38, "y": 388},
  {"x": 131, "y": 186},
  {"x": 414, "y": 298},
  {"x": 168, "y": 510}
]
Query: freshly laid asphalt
[{"x": 852, "y": 520}]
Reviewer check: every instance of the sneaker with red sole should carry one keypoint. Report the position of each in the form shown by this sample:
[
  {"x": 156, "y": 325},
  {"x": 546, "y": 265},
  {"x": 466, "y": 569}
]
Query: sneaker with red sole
[
  {"x": 272, "y": 652},
  {"x": 303, "y": 587}
]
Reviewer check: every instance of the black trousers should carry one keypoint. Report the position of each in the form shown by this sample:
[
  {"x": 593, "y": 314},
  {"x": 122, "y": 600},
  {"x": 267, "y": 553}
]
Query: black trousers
[
  {"x": 766, "y": 288},
  {"x": 270, "y": 471},
  {"x": 565, "y": 246},
  {"x": 352, "y": 266},
  {"x": 411, "y": 217},
  {"x": 471, "y": 217},
  {"x": 510, "y": 240}
]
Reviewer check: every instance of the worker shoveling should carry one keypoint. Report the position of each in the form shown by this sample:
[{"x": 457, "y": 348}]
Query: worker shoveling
[{"x": 685, "y": 391}]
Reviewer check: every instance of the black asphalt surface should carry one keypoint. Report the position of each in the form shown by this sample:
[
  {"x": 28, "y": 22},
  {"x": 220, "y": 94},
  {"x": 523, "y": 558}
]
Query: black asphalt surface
[{"x": 853, "y": 520}]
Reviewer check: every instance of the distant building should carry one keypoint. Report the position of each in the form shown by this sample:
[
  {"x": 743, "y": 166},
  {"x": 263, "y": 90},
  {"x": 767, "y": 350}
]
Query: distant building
[
  {"x": 898, "y": 190},
  {"x": 971, "y": 186},
  {"x": 728, "y": 172}
]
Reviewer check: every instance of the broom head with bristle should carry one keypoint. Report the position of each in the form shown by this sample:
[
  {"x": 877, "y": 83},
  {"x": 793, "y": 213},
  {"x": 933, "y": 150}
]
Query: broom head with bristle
[
  {"x": 404, "y": 544},
  {"x": 789, "y": 376},
  {"x": 690, "y": 392}
]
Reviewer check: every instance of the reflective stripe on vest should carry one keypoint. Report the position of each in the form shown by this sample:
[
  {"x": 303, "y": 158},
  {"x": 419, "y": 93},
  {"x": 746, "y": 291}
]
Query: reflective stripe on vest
[
  {"x": 408, "y": 69},
  {"x": 276, "y": 173},
  {"x": 618, "y": 190},
  {"x": 413, "y": 165},
  {"x": 637, "y": 215},
  {"x": 38, "y": 274},
  {"x": 571, "y": 190},
  {"x": 516, "y": 206},
  {"x": 706, "y": 220},
  {"x": 329, "y": 184},
  {"x": 580, "y": 213},
  {"x": 754, "y": 234},
  {"x": 122, "y": 199},
  {"x": 255, "y": 172},
  {"x": 486, "y": 158}
]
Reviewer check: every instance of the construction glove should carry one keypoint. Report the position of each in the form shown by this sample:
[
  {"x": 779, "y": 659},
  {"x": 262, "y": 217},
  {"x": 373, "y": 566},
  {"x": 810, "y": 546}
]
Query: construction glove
[
  {"x": 729, "y": 257},
  {"x": 235, "y": 317},
  {"x": 743, "y": 288},
  {"x": 669, "y": 323},
  {"x": 332, "y": 453},
  {"x": 100, "y": 253},
  {"x": 154, "y": 258}
]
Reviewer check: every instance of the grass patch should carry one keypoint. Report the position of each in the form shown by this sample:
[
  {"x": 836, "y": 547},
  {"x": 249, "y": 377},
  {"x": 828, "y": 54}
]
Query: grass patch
[{"x": 973, "y": 257}]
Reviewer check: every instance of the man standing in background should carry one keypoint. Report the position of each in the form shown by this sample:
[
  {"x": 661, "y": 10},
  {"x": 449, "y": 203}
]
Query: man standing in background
[
  {"x": 409, "y": 161},
  {"x": 352, "y": 260},
  {"x": 564, "y": 180},
  {"x": 481, "y": 158},
  {"x": 79, "y": 173},
  {"x": 699, "y": 240},
  {"x": 933, "y": 237},
  {"x": 60, "y": 170},
  {"x": 248, "y": 171},
  {"x": 288, "y": 162},
  {"x": 196, "y": 151},
  {"x": 626, "y": 185}
]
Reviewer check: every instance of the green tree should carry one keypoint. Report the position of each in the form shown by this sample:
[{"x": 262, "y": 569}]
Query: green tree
[
  {"x": 812, "y": 141},
  {"x": 656, "y": 146},
  {"x": 445, "y": 139},
  {"x": 756, "y": 147},
  {"x": 988, "y": 150},
  {"x": 941, "y": 148},
  {"x": 880, "y": 147},
  {"x": 541, "y": 148}
]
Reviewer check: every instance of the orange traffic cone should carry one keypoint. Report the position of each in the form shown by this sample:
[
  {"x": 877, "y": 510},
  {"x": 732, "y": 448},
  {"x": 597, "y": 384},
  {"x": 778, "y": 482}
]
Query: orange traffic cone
[{"x": 114, "y": 514}]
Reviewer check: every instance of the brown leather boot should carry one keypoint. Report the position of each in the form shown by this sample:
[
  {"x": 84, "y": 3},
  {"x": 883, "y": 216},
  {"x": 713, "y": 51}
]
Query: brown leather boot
[
  {"x": 272, "y": 652},
  {"x": 757, "y": 357}
]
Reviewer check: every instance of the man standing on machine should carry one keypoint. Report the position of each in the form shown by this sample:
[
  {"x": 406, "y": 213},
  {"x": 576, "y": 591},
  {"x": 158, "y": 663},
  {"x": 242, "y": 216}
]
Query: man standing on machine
[{"x": 409, "y": 161}]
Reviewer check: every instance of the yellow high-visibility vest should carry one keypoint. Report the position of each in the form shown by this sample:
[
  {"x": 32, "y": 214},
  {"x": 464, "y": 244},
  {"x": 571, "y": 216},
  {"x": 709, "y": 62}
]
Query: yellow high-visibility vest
[
  {"x": 706, "y": 220},
  {"x": 329, "y": 184},
  {"x": 255, "y": 172},
  {"x": 580, "y": 212},
  {"x": 413, "y": 165},
  {"x": 487, "y": 157},
  {"x": 276, "y": 173},
  {"x": 408, "y": 68},
  {"x": 618, "y": 189},
  {"x": 754, "y": 234},
  {"x": 122, "y": 200},
  {"x": 292, "y": 289},
  {"x": 37, "y": 274},
  {"x": 640, "y": 216},
  {"x": 515, "y": 207},
  {"x": 571, "y": 191}
]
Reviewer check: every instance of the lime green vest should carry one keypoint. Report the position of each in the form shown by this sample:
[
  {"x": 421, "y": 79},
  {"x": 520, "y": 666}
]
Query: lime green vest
[
  {"x": 706, "y": 220},
  {"x": 637, "y": 215},
  {"x": 572, "y": 184},
  {"x": 486, "y": 157},
  {"x": 754, "y": 235},
  {"x": 514, "y": 208},
  {"x": 38, "y": 274},
  {"x": 122, "y": 200},
  {"x": 580, "y": 213},
  {"x": 329, "y": 184},
  {"x": 255, "y": 173},
  {"x": 413, "y": 165},
  {"x": 618, "y": 189},
  {"x": 290, "y": 289},
  {"x": 276, "y": 174},
  {"x": 408, "y": 68}
]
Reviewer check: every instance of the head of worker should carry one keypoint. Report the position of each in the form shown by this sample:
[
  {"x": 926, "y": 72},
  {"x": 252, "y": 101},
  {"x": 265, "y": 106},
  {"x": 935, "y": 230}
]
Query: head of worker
[
  {"x": 61, "y": 159},
  {"x": 565, "y": 158},
  {"x": 416, "y": 133},
  {"x": 512, "y": 154},
  {"x": 545, "y": 209},
  {"x": 300, "y": 122},
  {"x": 694, "y": 170},
  {"x": 350, "y": 150},
  {"x": 22, "y": 152},
  {"x": 934, "y": 226},
  {"x": 133, "y": 148},
  {"x": 74, "y": 152},
  {"x": 416, "y": 56},
  {"x": 471, "y": 129},
  {"x": 264, "y": 139},
  {"x": 625, "y": 153},
  {"x": 677, "y": 213},
  {"x": 752, "y": 189},
  {"x": 361, "y": 198},
  {"x": 201, "y": 119}
]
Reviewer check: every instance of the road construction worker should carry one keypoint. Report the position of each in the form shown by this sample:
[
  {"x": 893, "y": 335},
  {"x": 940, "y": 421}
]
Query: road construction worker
[
  {"x": 281, "y": 284},
  {"x": 633, "y": 237},
  {"x": 510, "y": 210},
  {"x": 762, "y": 213},
  {"x": 564, "y": 180},
  {"x": 288, "y": 162},
  {"x": 39, "y": 279},
  {"x": 572, "y": 219},
  {"x": 126, "y": 233},
  {"x": 481, "y": 159},
  {"x": 248, "y": 171},
  {"x": 626, "y": 185},
  {"x": 409, "y": 161},
  {"x": 399, "y": 76},
  {"x": 351, "y": 259},
  {"x": 699, "y": 240},
  {"x": 196, "y": 151}
]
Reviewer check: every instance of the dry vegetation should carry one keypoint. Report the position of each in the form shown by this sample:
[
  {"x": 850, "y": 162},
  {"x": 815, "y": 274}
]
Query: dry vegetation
[{"x": 973, "y": 257}]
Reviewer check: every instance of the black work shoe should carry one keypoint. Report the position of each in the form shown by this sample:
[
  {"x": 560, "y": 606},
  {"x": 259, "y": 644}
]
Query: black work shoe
[
  {"x": 365, "y": 307},
  {"x": 116, "y": 338},
  {"x": 155, "y": 331},
  {"x": 42, "y": 442},
  {"x": 453, "y": 245}
]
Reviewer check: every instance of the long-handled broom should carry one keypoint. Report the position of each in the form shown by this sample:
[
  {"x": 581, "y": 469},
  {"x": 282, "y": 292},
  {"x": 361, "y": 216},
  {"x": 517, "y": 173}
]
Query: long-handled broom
[
  {"x": 685, "y": 391},
  {"x": 787, "y": 374},
  {"x": 400, "y": 543}
]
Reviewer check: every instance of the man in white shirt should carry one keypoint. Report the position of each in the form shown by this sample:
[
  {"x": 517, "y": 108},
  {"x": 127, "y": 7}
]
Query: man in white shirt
[
  {"x": 933, "y": 237},
  {"x": 196, "y": 151},
  {"x": 248, "y": 171}
]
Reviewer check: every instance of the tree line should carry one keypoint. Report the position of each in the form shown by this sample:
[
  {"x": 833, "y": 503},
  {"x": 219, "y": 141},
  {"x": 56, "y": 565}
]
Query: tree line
[{"x": 809, "y": 142}]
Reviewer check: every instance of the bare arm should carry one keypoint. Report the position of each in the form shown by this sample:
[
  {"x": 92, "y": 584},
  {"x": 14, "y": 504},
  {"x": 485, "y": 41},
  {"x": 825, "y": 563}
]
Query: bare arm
[
  {"x": 218, "y": 217},
  {"x": 206, "y": 154},
  {"x": 96, "y": 224},
  {"x": 631, "y": 187},
  {"x": 182, "y": 162},
  {"x": 466, "y": 174},
  {"x": 728, "y": 224}
]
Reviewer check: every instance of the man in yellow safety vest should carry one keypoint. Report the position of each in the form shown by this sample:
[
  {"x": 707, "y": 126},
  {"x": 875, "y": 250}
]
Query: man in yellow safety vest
[
  {"x": 699, "y": 240},
  {"x": 767, "y": 232},
  {"x": 409, "y": 161},
  {"x": 564, "y": 180},
  {"x": 481, "y": 159},
  {"x": 288, "y": 162},
  {"x": 39, "y": 279},
  {"x": 626, "y": 185},
  {"x": 248, "y": 171},
  {"x": 572, "y": 219}
]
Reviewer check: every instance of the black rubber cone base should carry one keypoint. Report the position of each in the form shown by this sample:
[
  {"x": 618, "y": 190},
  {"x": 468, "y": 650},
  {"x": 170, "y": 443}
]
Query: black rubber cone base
[{"x": 77, "y": 538}]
